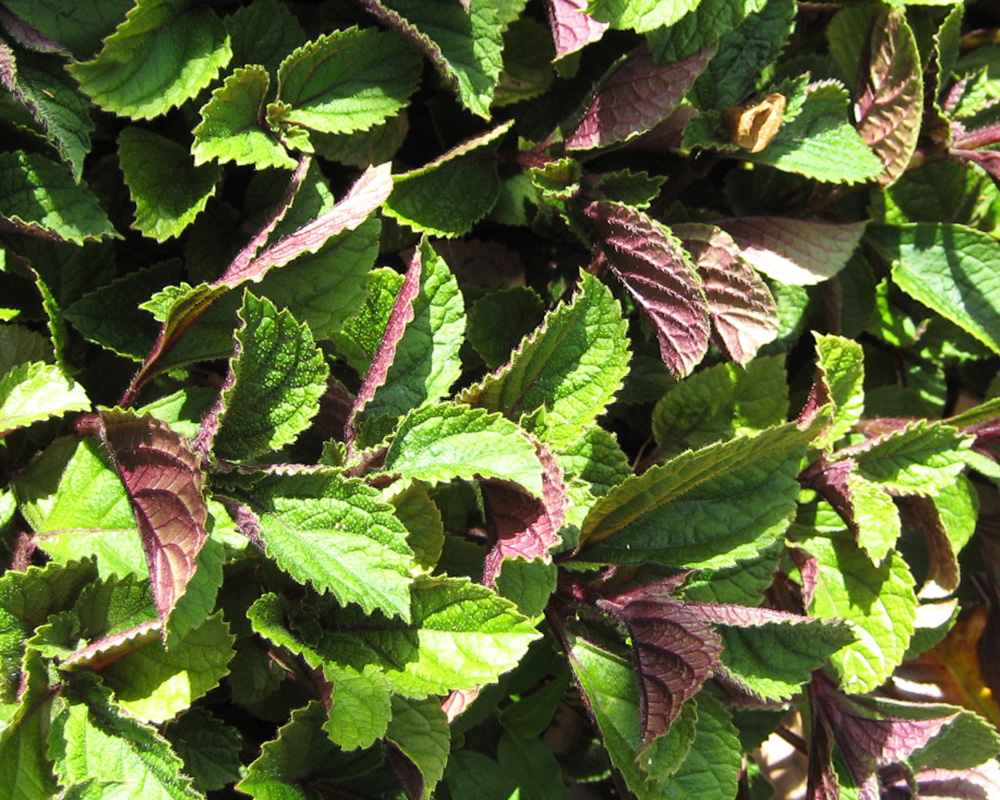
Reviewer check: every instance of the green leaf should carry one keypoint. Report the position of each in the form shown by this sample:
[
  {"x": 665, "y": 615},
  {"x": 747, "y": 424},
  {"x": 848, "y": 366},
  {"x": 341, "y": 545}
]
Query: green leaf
[
  {"x": 534, "y": 767},
  {"x": 699, "y": 28},
  {"x": 773, "y": 660},
  {"x": 450, "y": 194},
  {"x": 35, "y": 391},
  {"x": 80, "y": 27},
  {"x": 572, "y": 364},
  {"x": 230, "y": 127},
  {"x": 721, "y": 503},
  {"x": 43, "y": 86},
  {"x": 419, "y": 729},
  {"x": 19, "y": 345},
  {"x": 422, "y": 520},
  {"x": 640, "y": 15},
  {"x": 939, "y": 191},
  {"x": 210, "y": 749},
  {"x": 40, "y": 196},
  {"x": 876, "y": 602},
  {"x": 167, "y": 189},
  {"x": 361, "y": 705},
  {"x": 26, "y": 600},
  {"x": 597, "y": 459},
  {"x": 264, "y": 32},
  {"x": 155, "y": 683},
  {"x": 345, "y": 81},
  {"x": 840, "y": 378},
  {"x": 447, "y": 441},
  {"x": 277, "y": 377},
  {"x": 499, "y": 320},
  {"x": 426, "y": 361},
  {"x": 24, "y": 766},
  {"x": 92, "y": 741},
  {"x": 471, "y": 774},
  {"x": 358, "y": 339},
  {"x": 530, "y": 584},
  {"x": 332, "y": 532},
  {"x": 951, "y": 269},
  {"x": 721, "y": 401},
  {"x": 163, "y": 54},
  {"x": 919, "y": 459},
  {"x": 464, "y": 44},
  {"x": 461, "y": 635},
  {"x": 743, "y": 52}
]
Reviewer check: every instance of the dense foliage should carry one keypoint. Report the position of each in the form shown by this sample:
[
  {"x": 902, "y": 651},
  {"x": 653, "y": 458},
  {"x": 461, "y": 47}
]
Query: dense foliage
[{"x": 494, "y": 398}]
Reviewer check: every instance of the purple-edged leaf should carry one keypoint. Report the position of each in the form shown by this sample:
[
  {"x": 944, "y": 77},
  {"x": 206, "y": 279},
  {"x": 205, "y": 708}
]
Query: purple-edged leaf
[
  {"x": 367, "y": 194},
  {"x": 661, "y": 279},
  {"x": 675, "y": 651},
  {"x": 401, "y": 316},
  {"x": 522, "y": 526},
  {"x": 742, "y": 308},
  {"x": 890, "y": 98},
  {"x": 636, "y": 96},
  {"x": 164, "y": 485},
  {"x": 794, "y": 251},
  {"x": 572, "y": 27}
]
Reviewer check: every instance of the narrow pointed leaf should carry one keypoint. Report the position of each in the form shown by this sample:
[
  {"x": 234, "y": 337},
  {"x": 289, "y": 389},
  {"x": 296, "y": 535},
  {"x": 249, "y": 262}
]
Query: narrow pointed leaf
[
  {"x": 890, "y": 100},
  {"x": 331, "y": 532},
  {"x": 346, "y": 81},
  {"x": 160, "y": 56},
  {"x": 572, "y": 27},
  {"x": 33, "y": 391},
  {"x": 720, "y": 503},
  {"x": 164, "y": 484},
  {"x": 636, "y": 96},
  {"x": 572, "y": 365},
  {"x": 660, "y": 278},
  {"x": 743, "y": 312},
  {"x": 794, "y": 251}
]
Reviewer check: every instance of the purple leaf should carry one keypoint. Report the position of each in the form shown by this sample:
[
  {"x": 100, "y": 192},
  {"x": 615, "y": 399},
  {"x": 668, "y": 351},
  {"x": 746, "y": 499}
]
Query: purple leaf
[
  {"x": 979, "y": 783},
  {"x": 989, "y": 160},
  {"x": 808, "y": 567},
  {"x": 744, "y": 315},
  {"x": 164, "y": 484},
  {"x": 675, "y": 651},
  {"x": 572, "y": 28},
  {"x": 522, "y": 526},
  {"x": 635, "y": 97},
  {"x": 891, "y": 95},
  {"x": 400, "y": 316},
  {"x": 794, "y": 251},
  {"x": 745, "y": 616},
  {"x": 657, "y": 273},
  {"x": 368, "y": 193}
]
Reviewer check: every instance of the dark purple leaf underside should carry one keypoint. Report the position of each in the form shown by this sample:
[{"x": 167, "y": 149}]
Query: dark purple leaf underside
[
  {"x": 889, "y": 107},
  {"x": 743, "y": 311},
  {"x": 657, "y": 273},
  {"x": 400, "y": 316},
  {"x": 164, "y": 485},
  {"x": 979, "y": 783},
  {"x": 675, "y": 649},
  {"x": 572, "y": 28},
  {"x": 637, "y": 96},
  {"x": 522, "y": 526},
  {"x": 831, "y": 479}
]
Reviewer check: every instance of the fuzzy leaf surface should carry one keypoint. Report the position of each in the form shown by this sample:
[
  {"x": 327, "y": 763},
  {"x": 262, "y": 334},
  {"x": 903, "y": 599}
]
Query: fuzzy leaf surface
[
  {"x": 721, "y": 503},
  {"x": 40, "y": 198},
  {"x": 572, "y": 365},
  {"x": 636, "y": 96},
  {"x": 442, "y": 442},
  {"x": 659, "y": 276},
  {"x": 163, "y": 54},
  {"x": 34, "y": 391},
  {"x": 230, "y": 127},
  {"x": 346, "y": 81},
  {"x": 334, "y": 533},
  {"x": 166, "y": 187},
  {"x": 951, "y": 269}
]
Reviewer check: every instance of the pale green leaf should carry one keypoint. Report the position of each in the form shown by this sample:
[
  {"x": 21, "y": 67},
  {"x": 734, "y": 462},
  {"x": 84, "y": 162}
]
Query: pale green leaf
[
  {"x": 168, "y": 190},
  {"x": 164, "y": 53},
  {"x": 361, "y": 705},
  {"x": 360, "y": 335},
  {"x": 447, "y": 441},
  {"x": 951, "y": 269},
  {"x": 35, "y": 391},
  {"x": 277, "y": 378},
  {"x": 840, "y": 373},
  {"x": 230, "y": 127},
  {"x": 876, "y": 602},
  {"x": 334, "y": 533},
  {"x": 597, "y": 459},
  {"x": 640, "y": 15},
  {"x": 345, "y": 81},
  {"x": 419, "y": 729},
  {"x": 572, "y": 364},
  {"x": 919, "y": 459},
  {"x": 25, "y": 771},
  {"x": 40, "y": 196},
  {"x": 530, "y": 584},
  {"x": 874, "y": 516},
  {"x": 422, "y": 520},
  {"x": 721, "y": 503}
]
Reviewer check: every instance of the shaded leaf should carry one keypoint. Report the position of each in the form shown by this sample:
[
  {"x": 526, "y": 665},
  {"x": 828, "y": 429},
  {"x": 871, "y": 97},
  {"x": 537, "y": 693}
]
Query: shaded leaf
[
  {"x": 420, "y": 732},
  {"x": 209, "y": 747}
]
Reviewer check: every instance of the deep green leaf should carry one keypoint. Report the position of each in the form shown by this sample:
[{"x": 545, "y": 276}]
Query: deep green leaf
[
  {"x": 209, "y": 747},
  {"x": 263, "y": 32},
  {"x": 360, "y": 335},
  {"x": 534, "y": 767},
  {"x": 499, "y": 320},
  {"x": 79, "y": 26},
  {"x": 699, "y": 28}
]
